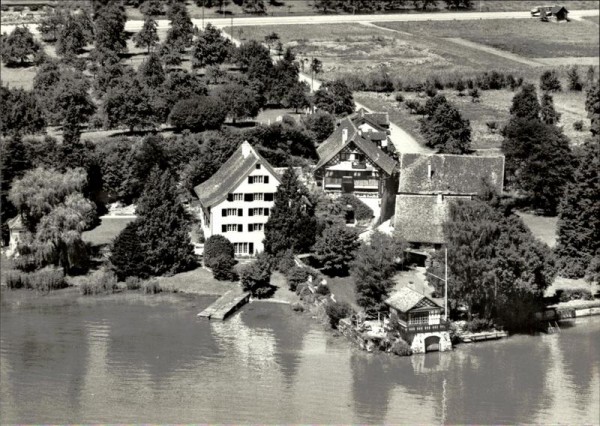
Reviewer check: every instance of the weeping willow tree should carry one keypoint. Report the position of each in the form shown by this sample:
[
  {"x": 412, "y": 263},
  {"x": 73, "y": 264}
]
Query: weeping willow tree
[{"x": 55, "y": 213}]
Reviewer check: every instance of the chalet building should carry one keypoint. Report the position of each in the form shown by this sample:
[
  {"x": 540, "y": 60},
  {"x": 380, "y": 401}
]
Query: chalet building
[
  {"x": 236, "y": 201},
  {"x": 428, "y": 182},
  {"x": 420, "y": 320},
  {"x": 356, "y": 159}
]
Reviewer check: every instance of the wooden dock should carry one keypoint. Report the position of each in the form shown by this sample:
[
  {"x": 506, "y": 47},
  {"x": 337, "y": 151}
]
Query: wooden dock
[
  {"x": 226, "y": 305},
  {"x": 478, "y": 337}
]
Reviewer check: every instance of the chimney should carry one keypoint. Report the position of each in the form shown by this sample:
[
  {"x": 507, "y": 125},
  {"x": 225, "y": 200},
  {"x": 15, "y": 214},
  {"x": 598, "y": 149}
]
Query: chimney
[
  {"x": 344, "y": 135},
  {"x": 246, "y": 149},
  {"x": 429, "y": 172}
]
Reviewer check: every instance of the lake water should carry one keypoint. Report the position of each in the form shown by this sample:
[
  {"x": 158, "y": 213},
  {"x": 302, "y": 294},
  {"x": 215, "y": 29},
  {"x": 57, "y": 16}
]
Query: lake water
[{"x": 124, "y": 359}]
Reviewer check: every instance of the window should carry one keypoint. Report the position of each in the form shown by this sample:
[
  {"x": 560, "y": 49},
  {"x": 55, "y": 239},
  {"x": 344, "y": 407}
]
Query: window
[
  {"x": 258, "y": 167},
  {"x": 252, "y": 227},
  {"x": 231, "y": 228},
  {"x": 232, "y": 212},
  {"x": 344, "y": 156},
  {"x": 258, "y": 179},
  {"x": 258, "y": 211},
  {"x": 419, "y": 318},
  {"x": 243, "y": 248},
  {"x": 238, "y": 196},
  {"x": 269, "y": 196},
  {"x": 258, "y": 196}
]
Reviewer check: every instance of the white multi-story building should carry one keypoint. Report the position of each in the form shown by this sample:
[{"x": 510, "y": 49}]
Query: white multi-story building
[{"x": 236, "y": 201}]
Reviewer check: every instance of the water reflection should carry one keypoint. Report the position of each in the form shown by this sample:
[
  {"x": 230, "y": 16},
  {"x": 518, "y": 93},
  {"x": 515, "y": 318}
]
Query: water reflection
[{"x": 149, "y": 359}]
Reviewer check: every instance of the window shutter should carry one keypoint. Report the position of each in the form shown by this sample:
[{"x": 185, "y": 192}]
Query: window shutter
[
  {"x": 266, "y": 212},
  {"x": 251, "y": 248},
  {"x": 223, "y": 228},
  {"x": 266, "y": 179},
  {"x": 250, "y": 179},
  {"x": 249, "y": 227},
  {"x": 250, "y": 212},
  {"x": 224, "y": 212},
  {"x": 240, "y": 212},
  {"x": 229, "y": 197},
  {"x": 248, "y": 197},
  {"x": 269, "y": 196},
  {"x": 240, "y": 228}
]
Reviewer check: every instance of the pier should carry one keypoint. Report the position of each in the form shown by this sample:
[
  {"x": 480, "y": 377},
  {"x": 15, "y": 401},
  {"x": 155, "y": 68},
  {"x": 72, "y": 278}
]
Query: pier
[
  {"x": 478, "y": 337},
  {"x": 226, "y": 305}
]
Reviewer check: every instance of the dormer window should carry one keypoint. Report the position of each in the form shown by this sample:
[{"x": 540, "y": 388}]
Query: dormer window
[{"x": 258, "y": 167}]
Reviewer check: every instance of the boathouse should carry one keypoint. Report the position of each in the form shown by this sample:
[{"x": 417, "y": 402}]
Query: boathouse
[
  {"x": 17, "y": 231},
  {"x": 420, "y": 320}
]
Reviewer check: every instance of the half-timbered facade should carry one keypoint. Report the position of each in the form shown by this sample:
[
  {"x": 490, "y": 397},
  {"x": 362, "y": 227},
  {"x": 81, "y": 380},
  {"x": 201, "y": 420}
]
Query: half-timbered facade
[{"x": 356, "y": 158}]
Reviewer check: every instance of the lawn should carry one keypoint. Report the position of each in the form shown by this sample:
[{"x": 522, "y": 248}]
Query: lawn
[
  {"x": 528, "y": 37},
  {"x": 106, "y": 232},
  {"x": 542, "y": 227},
  {"x": 198, "y": 281},
  {"x": 595, "y": 19}
]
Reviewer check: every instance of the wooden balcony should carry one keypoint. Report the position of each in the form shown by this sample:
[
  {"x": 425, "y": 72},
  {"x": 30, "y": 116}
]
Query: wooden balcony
[
  {"x": 424, "y": 328},
  {"x": 366, "y": 183},
  {"x": 333, "y": 181}
]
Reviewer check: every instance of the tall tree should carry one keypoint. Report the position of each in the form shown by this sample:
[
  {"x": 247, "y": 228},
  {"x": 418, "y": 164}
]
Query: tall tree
[
  {"x": 21, "y": 113},
  {"x": 111, "y": 39},
  {"x": 127, "y": 103},
  {"x": 575, "y": 83},
  {"x": 126, "y": 255},
  {"x": 210, "y": 48},
  {"x": 592, "y": 106},
  {"x": 148, "y": 36},
  {"x": 18, "y": 47},
  {"x": 547, "y": 113},
  {"x": 151, "y": 72},
  {"x": 446, "y": 130},
  {"x": 292, "y": 223},
  {"x": 182, "y": 28},
  {"x": 50, "y": 23},
  {"x": 241, "y": 101},
  {"x": 496, "y": 268},
  {"x": 579, "y": 214},
  {"x": 373, "y": 268},
  {"x": 335, "y": 248},
  {"x": 335, "y": 97},
  {"x": 525, "y": 103}
]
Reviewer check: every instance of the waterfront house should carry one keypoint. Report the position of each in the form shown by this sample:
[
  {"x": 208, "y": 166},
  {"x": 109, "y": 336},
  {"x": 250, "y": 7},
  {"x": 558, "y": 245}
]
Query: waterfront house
[
  {"x": 427, "y": 185},
  {"x": 420, "y": 320},
  {"x": 236, "y": 201},
  {"x": 356, "y": 158}
]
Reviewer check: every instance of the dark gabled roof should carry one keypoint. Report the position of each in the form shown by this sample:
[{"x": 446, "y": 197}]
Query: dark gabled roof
[
  {"x": 419, "y": 218},
  {"x": 557, "y": 9},
  {"x": 333, "y": 145},
  {"x": 231, "y": 174},
  {"x": 377, "y": 119},
  {"x": 406, "y": 299},
  {"x": 451, "y": 174}
]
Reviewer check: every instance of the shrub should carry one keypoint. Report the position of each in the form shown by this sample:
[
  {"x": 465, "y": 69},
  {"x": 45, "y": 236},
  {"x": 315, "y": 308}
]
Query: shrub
[
  {"x": 286, "y": 262},
  {"x": 101, "y": 281},
  {"x": 474, "y": 94},
  {"x": 549, "y": 81},
  {"x": 133, "y": 283},
  {"x": 198, "y": 113},
  {"x": 401, "y": 348},
  {"x": 216, "y": 246},
  {"x": 222, "y": 268},
  {"x": 34, "y": 7},
  {"x": 399, "y": 98},
  {"x": 415, "y": 107},
  {"x": 460, "y": 87},
  {"x": 323, "y": 290},
  {"x": 479, "y": 324},
  {"x": 361, "y": 210},
  {"x": 46, "y": 279},
  {"x": 18, "y": 8},
  {"x": 574, "y": 294},
  {"x": 256, "y": 277},
  {"x": 430, "y": 89},
  {"x": 151, "y": 287},
  {"x": 297, "y": 307},
  {"x": 14, "y": 279},
  {"x": 578, "y": 125},
  {"x": 300, "y": 275},
  {"x": 492, "y": 126},
  {"x": 337, "y": 311},
  {"x": 4, "y": 8}
]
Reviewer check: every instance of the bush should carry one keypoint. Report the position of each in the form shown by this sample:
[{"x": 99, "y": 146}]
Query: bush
[
  {"x": 286, "y": 262},
  {"x": 4, "y": 8},
  {"x": 578, "y": 125},
  {"x": 18, "y": 8},
  {"x": 101, "y": 281},
  {"x": 256, "y": 277},
  {"x": 299, "y": 275},
  {"x": 574, "y": 294},
  {"x": 401, "y": 348},
  {"x": 479, "y": 324},
  {"x": 492, "y": 126},
  {"x": 337, "y": 311},
  {"x": 399, "y": 98},
  {"x": 222, "y": 268},
  {"x": 151, "y": 287},
  {"x": 199, "y": 113},
  {"x": 34, "y": 8},
  {"x": 361, "y": 210},
  {"x": 549, "y": 81},
  {"x": 323, "y": 290},
  {"x": 297, "y": 307},
  {"x": 46, "y": 279},
  {"x": 13, "y": 279},
  {"x": 133, "y": 283},
  {"x": 216, "y": 246},
  {"x": 474, "y": 94},
  {"x": 415, "y": 107}
]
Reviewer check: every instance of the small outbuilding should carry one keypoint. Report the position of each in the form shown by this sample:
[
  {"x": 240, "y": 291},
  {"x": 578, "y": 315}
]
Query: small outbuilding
[
  {"x": 17, "y": 230},
  {"x": 560, "y": 13}
]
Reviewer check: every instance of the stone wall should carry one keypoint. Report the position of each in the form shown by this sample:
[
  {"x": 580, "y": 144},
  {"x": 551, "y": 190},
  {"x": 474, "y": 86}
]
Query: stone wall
[{"x": 418, "y": 342}]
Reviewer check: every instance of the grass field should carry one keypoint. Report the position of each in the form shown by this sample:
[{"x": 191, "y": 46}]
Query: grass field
[
  {"x": 104, "y": 233},
  {"x": 543, "y": 228},
  {"x": 527, "y": 37},
  {"x": 595, "y": 19}
]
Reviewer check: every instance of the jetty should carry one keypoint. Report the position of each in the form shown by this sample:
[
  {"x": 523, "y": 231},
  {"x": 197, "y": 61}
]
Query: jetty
[
  {"x": 226, "y": 305},
  {"x": 486, "y": 335}
]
